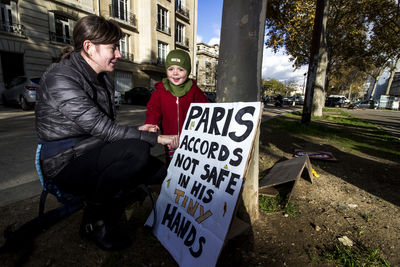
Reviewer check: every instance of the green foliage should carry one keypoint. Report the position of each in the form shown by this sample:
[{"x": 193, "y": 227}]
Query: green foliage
[
  {"x": 269, "y": 204},
  {"x": 273, "y": 87},
  {"x": 361, "y": 36},
  {"x": 367, "y": 217},
  {"x": 354, "y": 256},
  {"x": 279, "y": 203}
]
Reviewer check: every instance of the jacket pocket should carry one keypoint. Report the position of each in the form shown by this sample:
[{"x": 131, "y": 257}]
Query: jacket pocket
[{"x": 52, "y": 166}]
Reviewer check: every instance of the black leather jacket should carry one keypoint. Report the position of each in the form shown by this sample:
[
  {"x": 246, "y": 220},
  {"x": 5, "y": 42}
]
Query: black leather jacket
[{"x": 72, "y": 101}]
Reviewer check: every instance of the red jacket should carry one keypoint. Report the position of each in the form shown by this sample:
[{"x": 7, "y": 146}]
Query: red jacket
[{"x": 168, "y": 111}]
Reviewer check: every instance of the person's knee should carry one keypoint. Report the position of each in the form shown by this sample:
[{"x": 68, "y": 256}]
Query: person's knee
[{"x": 137, "y": 150}]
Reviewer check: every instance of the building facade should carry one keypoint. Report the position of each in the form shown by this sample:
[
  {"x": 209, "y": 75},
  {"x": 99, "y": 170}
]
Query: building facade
[
  {"x": 206, "y": 66},
  {"x": 34, "y": 32},
  {"x": 395, "y": 87}
]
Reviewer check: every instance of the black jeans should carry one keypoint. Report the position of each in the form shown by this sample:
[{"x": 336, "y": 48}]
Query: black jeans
[{"x": 103, "y": 172}]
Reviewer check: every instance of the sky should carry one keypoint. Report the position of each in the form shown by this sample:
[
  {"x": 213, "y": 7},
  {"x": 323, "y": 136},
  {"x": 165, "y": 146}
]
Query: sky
[{"x": 275, "y": 66}]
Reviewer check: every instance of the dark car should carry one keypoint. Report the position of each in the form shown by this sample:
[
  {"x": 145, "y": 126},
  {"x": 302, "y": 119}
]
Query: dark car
[
  {"x": 335, "y": 102},
  {"x": 364, "y": 104},
  {"x": 137, "y": 96}
]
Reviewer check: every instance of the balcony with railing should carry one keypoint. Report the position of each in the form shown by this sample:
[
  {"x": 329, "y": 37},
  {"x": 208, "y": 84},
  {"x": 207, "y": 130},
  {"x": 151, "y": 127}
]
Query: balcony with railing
[
  {"x": 160, "y": 61},
  {"x": 182, "y": 11},
  {"x": 124, "y": 16},
  {"x": 163, "y": 28},
  {"x": 127, "y": 56},
  {"x": 184, "y": 43},
  {"x": 15, "y": 29},
  {"x": 60, "y": 38}
]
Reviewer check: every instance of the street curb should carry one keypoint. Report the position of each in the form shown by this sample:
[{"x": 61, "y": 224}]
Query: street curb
[{"x": 20, "y": 192}]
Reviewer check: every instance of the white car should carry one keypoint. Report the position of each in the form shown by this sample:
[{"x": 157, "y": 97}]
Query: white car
[{"x": 22, "y": 91}]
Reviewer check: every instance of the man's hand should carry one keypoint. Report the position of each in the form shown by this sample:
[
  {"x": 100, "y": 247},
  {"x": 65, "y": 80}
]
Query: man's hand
[
  {"x": 172, "y": 141},
  {"x": 149, "y": 128}
]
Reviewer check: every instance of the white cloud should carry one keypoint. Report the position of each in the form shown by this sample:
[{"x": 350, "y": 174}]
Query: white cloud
[
  {"x": 199, "y": 39},
  {"x": 279, "y": 67},
  {"x": 213, "y": 41}
]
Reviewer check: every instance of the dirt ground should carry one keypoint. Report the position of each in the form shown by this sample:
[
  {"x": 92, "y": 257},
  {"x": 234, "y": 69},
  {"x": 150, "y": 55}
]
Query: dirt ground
[{"x": 357, "y": 196}]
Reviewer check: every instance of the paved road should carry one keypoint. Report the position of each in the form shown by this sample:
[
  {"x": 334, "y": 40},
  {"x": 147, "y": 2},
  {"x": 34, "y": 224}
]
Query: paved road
[
  {"x": 18, "y": 178},
  {"x": 389, "y": 120}
]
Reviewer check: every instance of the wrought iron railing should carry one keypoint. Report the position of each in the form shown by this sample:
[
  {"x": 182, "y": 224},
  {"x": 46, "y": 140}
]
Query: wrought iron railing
[
  {"x": 60, "y": 38},
  {"x": 160, "y": 61},
  {"x": 184, "y": 43},
  {"x": 17, "y": 29},
  {"x": 182, "y": 10},
  {"x": 127, "y": 56},
  {"x": 163, "y": 28},
  {"x": 123, "y": 15}
]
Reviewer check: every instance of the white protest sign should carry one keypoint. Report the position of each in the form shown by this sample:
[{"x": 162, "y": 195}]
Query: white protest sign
[{"x": 198, "y": 197}]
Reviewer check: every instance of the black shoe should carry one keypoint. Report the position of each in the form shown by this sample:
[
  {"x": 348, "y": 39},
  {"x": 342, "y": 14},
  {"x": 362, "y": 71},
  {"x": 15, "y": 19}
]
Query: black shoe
[{"x": 105, "y": 237}]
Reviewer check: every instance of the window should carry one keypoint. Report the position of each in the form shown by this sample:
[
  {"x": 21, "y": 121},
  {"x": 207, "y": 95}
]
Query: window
[
  {"x": 162, "y": 52},
  {"x": 122, "y": 80},
  {"x": 124, "y": 48},
  {"x": 162, "y": 20},
  {"x": 6, "y": 14},
  {"x": 180, "y": 4},
  {"x": 181, "y": 9},
  {"x": 120, "y": 9},
  {"x": 180, "y": 33},
  {"x": 8, "y": 18},
  {"x": 61, "y": 28}
]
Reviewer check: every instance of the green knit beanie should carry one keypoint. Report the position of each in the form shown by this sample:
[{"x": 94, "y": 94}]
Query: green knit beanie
[{"x": 180, "y": 58}]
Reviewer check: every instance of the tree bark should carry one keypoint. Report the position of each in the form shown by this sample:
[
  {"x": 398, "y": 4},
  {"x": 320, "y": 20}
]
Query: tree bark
[
  {"x": 376, "y": 83},
  {"x": 315, "y": 89},
  {"x": 396, "y": 66},
  {"x": 239, "y": 75}
]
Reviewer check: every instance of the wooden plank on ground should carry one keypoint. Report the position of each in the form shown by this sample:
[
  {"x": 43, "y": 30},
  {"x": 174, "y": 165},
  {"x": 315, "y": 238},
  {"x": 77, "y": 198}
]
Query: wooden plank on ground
[{"x": 287, "y": 171}]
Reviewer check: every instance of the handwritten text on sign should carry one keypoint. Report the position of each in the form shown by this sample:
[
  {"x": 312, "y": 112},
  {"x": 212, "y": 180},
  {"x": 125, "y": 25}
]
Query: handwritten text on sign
[{"x": 204, "y": 179}]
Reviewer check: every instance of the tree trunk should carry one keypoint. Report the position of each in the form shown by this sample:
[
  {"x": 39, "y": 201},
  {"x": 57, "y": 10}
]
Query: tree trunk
[
  {"x": 396, "y": 66},
  {"x": 315, "y": 93},
  {"x": 239, "y": 74},
  {"x": 376, "y": 83}
]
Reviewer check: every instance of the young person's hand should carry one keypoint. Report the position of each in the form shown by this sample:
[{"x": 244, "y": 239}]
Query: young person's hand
[
  {"x": 172, "y": 141},
  {"x": 149, "y": 128}
]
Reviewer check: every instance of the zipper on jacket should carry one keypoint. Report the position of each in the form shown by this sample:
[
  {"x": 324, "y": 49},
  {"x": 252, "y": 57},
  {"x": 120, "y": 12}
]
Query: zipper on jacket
[{"x": 177, "y": 106}]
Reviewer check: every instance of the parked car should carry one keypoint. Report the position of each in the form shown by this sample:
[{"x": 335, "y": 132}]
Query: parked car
[
  {"x": 364, "y": 104},
  {"x": 138, "y": 96},
  {"x": 212, "y": 96},
  {"x": 22, "y": 91},
  {"x": 117, "y": 99},
  {"x": 336, "y": 101},
  {"x": 299, "y": 99}
]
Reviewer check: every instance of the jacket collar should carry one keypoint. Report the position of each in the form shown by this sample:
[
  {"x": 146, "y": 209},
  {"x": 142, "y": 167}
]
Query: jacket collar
[{"x": 89, "y": 72}]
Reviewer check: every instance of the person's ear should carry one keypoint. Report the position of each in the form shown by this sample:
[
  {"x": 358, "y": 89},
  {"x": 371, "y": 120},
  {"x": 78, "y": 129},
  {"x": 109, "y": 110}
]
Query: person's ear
[{"x": 88, "y": 46}]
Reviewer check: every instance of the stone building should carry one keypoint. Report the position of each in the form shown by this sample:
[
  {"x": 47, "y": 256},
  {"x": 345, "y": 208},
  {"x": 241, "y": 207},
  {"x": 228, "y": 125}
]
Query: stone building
[
  {"x": 395, "y": 87},
  {"x": 207, "y": 61},
  {"x": 34, "y": 32}
]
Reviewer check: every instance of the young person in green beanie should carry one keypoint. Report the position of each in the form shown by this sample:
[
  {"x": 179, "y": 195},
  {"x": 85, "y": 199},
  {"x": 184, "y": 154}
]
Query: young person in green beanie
[{"x": 170, "y": 101}]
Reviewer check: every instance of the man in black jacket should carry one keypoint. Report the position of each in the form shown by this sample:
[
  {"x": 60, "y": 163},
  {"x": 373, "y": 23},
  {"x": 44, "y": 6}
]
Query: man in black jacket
[{"x": 84, "y": 151}]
